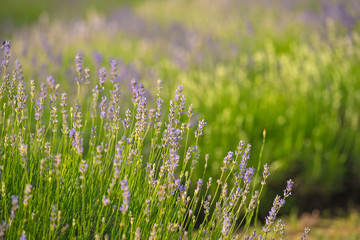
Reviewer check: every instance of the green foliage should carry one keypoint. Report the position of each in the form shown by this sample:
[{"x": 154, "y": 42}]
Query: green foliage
[
  {"x": 19, "y": 12},
  {"x": 306, "y": 99},
  {"x": 290, "y": 69},
  {"x": 98, "y": 170}
]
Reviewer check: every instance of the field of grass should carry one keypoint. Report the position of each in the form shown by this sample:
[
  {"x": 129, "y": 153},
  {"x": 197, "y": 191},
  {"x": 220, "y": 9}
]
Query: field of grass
[
  {"x": 290, "y": 67},
  {"x": 93, "y": 170}
]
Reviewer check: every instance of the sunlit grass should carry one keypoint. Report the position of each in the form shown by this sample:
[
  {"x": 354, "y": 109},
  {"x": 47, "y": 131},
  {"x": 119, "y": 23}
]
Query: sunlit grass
[
  {"x": 95, "y": 169},
  {"x": 289, "y": 68}
]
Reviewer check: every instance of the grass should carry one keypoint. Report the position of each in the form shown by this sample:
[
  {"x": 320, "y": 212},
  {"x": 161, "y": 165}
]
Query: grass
[
  {"x": 93, "y": 170},
  {"x": 290, "y": 68}
]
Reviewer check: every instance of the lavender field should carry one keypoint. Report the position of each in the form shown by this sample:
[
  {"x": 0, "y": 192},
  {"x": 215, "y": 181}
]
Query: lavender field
[{"x": 180, "y": 119}]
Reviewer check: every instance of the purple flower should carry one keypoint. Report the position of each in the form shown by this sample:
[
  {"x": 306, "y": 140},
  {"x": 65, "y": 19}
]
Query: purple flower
[
  {"x": 305, "y": 235},
  {"x": 159, "y": 87},
  {"x": 226, "y": 226},
  {"x": 234, "y": 196},
  {"x": 87, "y": 76},
  {"x": 207, "y": 205},
  {"x": 171, "y": 114},
  {"x": 253, "y": 201},
  {"x": 280, "y": 228},
  {"x": 161, "y": 192},
  {"x": 5, "y": 63},
  {"x": 78, "y": 63},
  {"x": 173, "y": 162},
  {"x": 71, "y": 133},
  {"x": 114, "y": 71},
  {"x": 18, "y": 72},
  {"x": 244, "y": 160},
  {"x": 137, "y": 234},
  {"x": 77, "y": 142},
  {"x": 182, "y": 105},
  {"x": 199, "y": 184},
  {"x": 27, "y": 194},
  {"x": 126, "y": 121},
  {"x": 239, "y": 147},
  {"x": 227, "y": 160},
  {"x": 265, "y": 174},
  {"x": 77, "y": 122},
  {"x": 106, "y": 201},
  {"x": 102, "y": 107},
  {"x": 78, "y": 81},
  {"x": 23, "y": 236},
  {"x": 178, "y": 93},
  {"x": 287, "y": 190},
  {"x": 102, "y": 76},
  {"x": 3, "y": 228},
  {"x": 269, "y": 220},
  {"x": 126, "y": 196},
  {"x": 209, "y": 183},
  {"x": 7, "y": 54},
  {"x": 14, "y": 200},
  {"x": 190, "y": 111},
  {"x": 115, "y": 94},
  {"x": 158, "y": 114},
  {"x": 39, "y": 108},
  {"x": 199, "y": 130},
  {"x": 14, "y": 207},
  {"x": 141, "y": 115},
  {"x": 63, "y": 102},
  {"x": 53, "y": 217},
  {"x": 83, "y": 167},
  {"x": 182, "y": 188},
  {"x": 248, "y": 175}
]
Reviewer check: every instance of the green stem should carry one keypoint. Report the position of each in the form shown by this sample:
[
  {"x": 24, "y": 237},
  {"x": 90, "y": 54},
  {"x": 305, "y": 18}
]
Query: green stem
[{"x": 257, "y": 173}]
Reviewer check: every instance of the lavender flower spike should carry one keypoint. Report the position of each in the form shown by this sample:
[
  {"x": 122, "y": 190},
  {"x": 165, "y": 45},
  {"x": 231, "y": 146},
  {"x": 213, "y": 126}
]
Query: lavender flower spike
[
  {"x": 78, "y": 63},
  {"x": 23, "y": 236},
  {"x": 3, "y": 228},
  {"x": 265, "y": 174},
  {"x": 114, "y": 71},
  {"x": 199, "y": 131},
  {"x": 305, "y": 236},
  {"x": 226, "y": 226},
  {"x": 7, "y": 54},
  {"x": 287, "y": 190},
  {"x": 106, "y": 201},
  {"x": 277, "y": 204},
  {"x": 102, "y": 76},
  {"x": 126, "y": 196}
]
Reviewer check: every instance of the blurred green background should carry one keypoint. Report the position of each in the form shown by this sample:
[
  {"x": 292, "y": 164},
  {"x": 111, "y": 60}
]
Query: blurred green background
[
  {"x": 17, "y": 13},
  {"x": 290, "y": 67}
]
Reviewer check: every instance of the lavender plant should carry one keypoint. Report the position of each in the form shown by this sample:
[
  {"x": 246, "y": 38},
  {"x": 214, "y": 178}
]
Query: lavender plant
[{"x": 97, "y": 171}]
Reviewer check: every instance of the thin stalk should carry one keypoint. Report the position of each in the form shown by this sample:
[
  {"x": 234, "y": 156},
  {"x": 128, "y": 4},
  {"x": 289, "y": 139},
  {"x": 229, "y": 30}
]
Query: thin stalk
[{"x": 257, "y": 173}]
